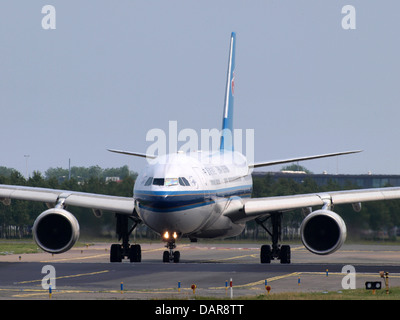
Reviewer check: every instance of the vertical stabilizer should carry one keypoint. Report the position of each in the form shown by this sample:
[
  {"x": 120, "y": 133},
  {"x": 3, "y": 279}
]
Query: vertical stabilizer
[{"x": 227, "y": 122}]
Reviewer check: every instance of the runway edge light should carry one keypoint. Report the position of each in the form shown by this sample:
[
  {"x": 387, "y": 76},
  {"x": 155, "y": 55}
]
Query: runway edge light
[
  {"x": 231, "y": 286},
  {"x": 268, "y": 288},
  {"x": 193, "y": 287}
]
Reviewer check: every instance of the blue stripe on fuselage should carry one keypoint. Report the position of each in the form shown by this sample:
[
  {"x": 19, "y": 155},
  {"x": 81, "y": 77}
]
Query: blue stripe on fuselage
[{"x": 167, "y": 201}]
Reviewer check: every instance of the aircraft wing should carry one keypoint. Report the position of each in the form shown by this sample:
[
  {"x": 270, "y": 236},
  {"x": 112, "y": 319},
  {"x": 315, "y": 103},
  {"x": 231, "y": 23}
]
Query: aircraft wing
[
  {"x": 116, "y": 204},
  {"x": 130, "y": 153},
  {"x": 275, "y": 162},
  {"x": 255, "y": 207}
]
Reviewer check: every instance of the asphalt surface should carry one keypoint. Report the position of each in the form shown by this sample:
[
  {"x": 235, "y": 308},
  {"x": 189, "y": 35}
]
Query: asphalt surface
[{"x": 86, "y": 273}]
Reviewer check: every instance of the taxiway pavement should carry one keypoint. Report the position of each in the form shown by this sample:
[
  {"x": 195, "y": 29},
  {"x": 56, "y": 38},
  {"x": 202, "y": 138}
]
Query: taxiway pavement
[{"x": 86, "y": 273}]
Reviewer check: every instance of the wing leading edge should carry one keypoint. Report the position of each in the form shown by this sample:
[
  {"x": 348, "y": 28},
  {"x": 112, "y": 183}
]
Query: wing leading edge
[
  {"x": 124, "y": 205},
  {"x": 275, "y": 162},
  {"x": 255, "y": 207}
]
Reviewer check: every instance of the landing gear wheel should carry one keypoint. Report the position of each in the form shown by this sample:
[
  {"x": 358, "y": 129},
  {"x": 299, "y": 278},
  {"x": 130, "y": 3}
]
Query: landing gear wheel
[
  {"x": 125, "y": 250},
  {"x": 265, "y": 253},
  {"x": 165, "y": 256},
  {"x": 276, "y": 251},
  {"x": 171, "y": 255},
  {"x": 177, "y": 256},
  {"x": 285, "y": 254},
  {"x": 135, "y": 253},
  {"x": 116, "y": 253}
]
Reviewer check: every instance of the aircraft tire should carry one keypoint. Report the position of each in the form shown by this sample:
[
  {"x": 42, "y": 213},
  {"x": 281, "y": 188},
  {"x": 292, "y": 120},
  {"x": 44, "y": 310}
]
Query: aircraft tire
[
  {"x": 285, "y": 254},
  {"x": 177, "y": 256},
  {"x": 116, "y": 253},
  {"x": 265, "y": 253},
  {"x": 135, "y": 253},
  {"x": 166, "y": 256}
]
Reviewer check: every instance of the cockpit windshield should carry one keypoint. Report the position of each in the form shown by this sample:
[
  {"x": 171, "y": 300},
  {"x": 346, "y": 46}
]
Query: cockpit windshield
[
  {"x": 182, "y": 181},
  {"x": 148, "y": 181},
  {"x": 158, "y": 181},
  {"x": 171, "y": 182}
]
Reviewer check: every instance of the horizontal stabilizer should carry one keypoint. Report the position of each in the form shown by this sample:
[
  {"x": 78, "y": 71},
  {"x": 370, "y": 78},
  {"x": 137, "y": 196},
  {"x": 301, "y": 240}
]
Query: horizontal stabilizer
[
  {"x": 272, "y": 163},
  {"x": 136, "y": 154}
]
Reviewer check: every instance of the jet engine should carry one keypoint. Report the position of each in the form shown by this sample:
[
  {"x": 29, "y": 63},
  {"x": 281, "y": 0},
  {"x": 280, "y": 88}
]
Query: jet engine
[
  {"x": 56, "y": 230},
  {"x": 323, "y": 232}
]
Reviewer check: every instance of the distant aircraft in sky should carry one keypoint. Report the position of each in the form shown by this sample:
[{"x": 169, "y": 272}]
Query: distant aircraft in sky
[{"x": 198, "y": 195}]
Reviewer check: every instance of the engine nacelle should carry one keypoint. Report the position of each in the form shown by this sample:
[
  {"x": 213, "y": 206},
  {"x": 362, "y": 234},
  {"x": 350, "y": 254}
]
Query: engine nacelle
[
  {"x": 56, "y": 230},
  {"x": 323, "y": 232}
]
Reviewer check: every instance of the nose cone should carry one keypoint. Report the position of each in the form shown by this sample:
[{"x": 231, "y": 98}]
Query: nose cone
[
  {"x": 168, "y": 197},
  {"x": 173, "y": 211}
]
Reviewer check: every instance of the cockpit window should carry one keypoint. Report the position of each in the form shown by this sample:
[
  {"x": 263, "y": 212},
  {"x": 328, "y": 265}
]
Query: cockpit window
[
  {"x": 171, "y": 181},
  {"x": 183, "y": 181},
  {"x": 158, "y": 181},
  {"x": 168, "y": 182}
]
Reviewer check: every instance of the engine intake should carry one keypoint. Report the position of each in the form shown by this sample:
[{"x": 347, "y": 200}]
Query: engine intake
[
  {"x": 323, "y": 232},
  {"x": 56, "y": 230}
]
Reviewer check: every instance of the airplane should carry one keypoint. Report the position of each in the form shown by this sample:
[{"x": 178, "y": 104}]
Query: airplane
[{"x": 198, "y": 195}]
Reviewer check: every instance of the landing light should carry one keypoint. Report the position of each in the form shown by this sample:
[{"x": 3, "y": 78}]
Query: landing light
[{"x": 166, "y": 235}]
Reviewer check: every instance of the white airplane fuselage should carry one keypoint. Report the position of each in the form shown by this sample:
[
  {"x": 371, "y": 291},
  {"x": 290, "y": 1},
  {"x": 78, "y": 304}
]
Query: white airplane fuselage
[{"x": 188, "y": 193}]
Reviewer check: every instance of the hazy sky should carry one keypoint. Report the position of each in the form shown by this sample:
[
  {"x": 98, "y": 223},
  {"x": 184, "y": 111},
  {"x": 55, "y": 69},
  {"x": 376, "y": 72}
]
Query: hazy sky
[{"x": 113, "y": 70}]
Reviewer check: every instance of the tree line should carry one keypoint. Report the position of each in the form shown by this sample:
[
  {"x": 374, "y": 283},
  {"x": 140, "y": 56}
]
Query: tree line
[
  {"x": 16, "y": 220},
  {"x": 376, "y": 219}
]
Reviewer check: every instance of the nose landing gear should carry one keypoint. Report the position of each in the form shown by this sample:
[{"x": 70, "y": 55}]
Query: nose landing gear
[{"x": 170, "y": 255}]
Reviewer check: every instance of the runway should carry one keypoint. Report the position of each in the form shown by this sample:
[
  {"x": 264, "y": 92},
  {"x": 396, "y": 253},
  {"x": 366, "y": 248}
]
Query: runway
[{"x": 86, "y": 273}]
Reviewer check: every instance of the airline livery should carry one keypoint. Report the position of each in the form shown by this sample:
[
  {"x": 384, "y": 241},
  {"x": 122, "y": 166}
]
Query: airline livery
[{"x": 198, "y": 195}]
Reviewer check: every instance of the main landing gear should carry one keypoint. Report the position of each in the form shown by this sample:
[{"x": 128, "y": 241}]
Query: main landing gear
[
  {"x": 276, "y": 251},
  {"x": 125, "y": 250},
  {"x": 170, "y": 255}
]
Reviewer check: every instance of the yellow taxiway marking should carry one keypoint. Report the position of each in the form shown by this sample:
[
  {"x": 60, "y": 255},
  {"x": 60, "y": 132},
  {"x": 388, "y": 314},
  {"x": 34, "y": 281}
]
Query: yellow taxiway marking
[
  {"x": 65, "y": 277},
  {"x": 298, "y": 248},
  {"x": 181, "y": 246},
  {"x": 76, "y": 258},
  {"x": 252, "y": 255},
  {"x": 235, "y": 257},
  {"x": 251, "y": 284},
  {"x": 57, "y": 292}
]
